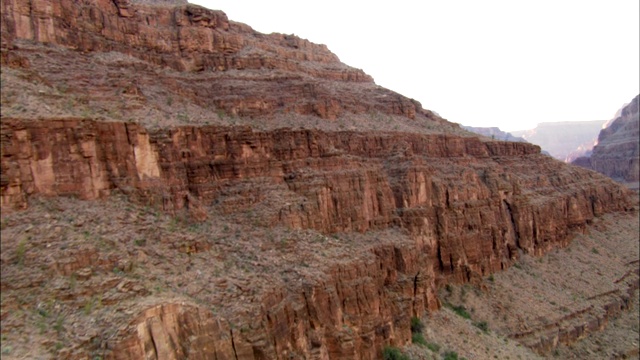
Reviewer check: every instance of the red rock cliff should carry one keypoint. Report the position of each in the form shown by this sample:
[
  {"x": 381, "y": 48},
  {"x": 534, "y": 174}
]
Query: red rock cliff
[
  {"x": 240, "y": 72},
  {"x": 465, "y": 207},
  {"x": 469, "y": 207}
]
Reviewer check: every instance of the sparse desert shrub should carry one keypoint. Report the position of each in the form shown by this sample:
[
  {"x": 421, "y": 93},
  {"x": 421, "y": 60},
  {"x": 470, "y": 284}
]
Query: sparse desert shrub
[
  {"x": 20, "y": 250},
  {"x": 393, "y": 353},
  {"x": 482, "y": 325},
  {"x": 418, "y": 339},
  {"x": 450, "y": 355},
  {"x": 416, "y": 325},
  {"x": 59, "y": 325},
  {"x": 433, "y": 347},
  {"x": 459, "y": 309}
]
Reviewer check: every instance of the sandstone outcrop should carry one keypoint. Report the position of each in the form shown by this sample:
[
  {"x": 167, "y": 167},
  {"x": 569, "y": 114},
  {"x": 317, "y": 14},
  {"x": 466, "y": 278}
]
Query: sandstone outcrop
[
  {"x": 464, "y": 207},
  {"x": 617, "y": 151}
]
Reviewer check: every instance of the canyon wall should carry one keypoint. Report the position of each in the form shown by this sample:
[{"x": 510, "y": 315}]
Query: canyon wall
[
  {"x": 564, "y": 138},
  {"x": 617, "y": 152},
  {"x": 469, "y": 207},
  {"x": 465, "y": 207}
]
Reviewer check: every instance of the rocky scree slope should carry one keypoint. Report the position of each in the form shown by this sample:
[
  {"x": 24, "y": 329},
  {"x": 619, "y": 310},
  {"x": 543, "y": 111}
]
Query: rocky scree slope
[
  {"x": 617, "y": 152},
  {"x": 414, "y": 210},
  {"x": 168, "y": 65}
]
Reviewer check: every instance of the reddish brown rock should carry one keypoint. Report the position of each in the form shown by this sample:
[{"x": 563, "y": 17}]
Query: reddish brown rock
[
  {"x": 469, "y": 207},
  {"x": 240, "y": 72}
]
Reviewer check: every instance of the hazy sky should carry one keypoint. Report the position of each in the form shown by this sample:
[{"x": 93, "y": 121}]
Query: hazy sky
[{"x": 510, "y": 64}]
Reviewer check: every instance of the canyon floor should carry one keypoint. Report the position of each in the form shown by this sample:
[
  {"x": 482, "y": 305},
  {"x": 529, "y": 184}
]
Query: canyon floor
[{"x": 74, "y": 270}]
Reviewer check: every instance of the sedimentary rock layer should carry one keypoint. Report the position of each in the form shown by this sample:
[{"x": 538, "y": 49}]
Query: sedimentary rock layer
[
  {"x": 617, "y": 153},
  {"x": 468, "y": 206},
  {"x": 465, "y": 207},
  {"x": 193, "y": 53}
]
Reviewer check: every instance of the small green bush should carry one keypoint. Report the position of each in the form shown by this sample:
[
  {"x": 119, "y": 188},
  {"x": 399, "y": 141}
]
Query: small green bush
[
  {"x": 416, "y": 325},
  {"x": 393, "y": 353},
  {"x": 460, "y": 310},
  {"x": 450, "y": 355},
  {"x": 20, "y": 250},
  {"x": 433, "y": 347},
  {"x": 418, "y": 339},
  {"x": 482, "y": 325}
]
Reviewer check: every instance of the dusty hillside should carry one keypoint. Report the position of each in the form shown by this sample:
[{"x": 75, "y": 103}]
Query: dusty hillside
[
  {"x": 163, "y": 66},
  {"x": 176, "y": 185},
  {"x": 74, "y": 272}
]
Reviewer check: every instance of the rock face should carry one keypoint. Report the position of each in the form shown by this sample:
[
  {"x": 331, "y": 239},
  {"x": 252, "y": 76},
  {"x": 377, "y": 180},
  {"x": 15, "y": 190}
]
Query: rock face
[
  {"x": 196, "y": 54},
  {"x": 617, "y": 151},
  {"x": 466, "y": 207},
  {"x": 563, "y": 139},
  {"x": 469, "y": 206}
]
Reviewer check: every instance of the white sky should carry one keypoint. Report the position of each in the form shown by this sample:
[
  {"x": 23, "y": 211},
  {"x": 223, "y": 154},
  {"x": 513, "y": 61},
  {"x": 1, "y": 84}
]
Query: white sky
[{"x": 505, "y": 63}]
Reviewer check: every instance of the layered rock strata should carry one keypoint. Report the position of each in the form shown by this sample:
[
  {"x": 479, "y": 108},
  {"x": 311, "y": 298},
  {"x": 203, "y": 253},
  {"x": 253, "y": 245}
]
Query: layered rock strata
[
  {"x": 193, "y": 53},
  {"x": 465, "y": 207},
  {"x": 469, "y": 207},
  {"x": 617, "y": 153}
]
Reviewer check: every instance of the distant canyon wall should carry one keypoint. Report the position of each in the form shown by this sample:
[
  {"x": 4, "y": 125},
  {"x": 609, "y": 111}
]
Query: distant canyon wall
[
  {"x": 564, "y": 139},
  {"x": 617, "y": 152}
]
